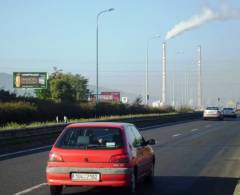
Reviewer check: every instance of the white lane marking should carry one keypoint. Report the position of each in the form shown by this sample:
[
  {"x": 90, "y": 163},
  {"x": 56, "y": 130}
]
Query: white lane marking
[
  {"x": 176, "y": 135},
  {"x": 31, "y": 189},
  {"x": 24, "y": 151},
  {"x": 207, "y": 126},
  {"x": 194, "y": 130}
]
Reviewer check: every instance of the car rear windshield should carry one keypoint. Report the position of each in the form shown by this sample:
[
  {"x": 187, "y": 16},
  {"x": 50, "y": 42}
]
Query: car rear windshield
[
  {"x": 228, "y": 109},
  {"x": 212, "y": 108},
  {"x": 91, "y": 138}
]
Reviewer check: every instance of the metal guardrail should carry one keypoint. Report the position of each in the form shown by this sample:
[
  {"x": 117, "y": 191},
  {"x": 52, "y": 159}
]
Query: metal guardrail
[{"x": 50, "y": 132}]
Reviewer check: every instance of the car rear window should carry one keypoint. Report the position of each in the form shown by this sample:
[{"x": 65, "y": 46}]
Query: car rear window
[
  {"x": 212, "y": 108},
  {"x": 90, "y": 138},
  {"x": 228, "y": 109}
]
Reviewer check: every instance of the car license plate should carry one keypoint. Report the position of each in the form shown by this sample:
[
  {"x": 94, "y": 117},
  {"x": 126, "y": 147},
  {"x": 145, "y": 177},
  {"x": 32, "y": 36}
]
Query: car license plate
[{"x": 85, "y": 176}]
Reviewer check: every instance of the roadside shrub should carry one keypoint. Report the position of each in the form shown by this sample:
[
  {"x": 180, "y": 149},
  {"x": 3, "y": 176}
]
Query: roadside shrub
[
  {"x": 17, "y": 112},
  {"x": 27, "y": 110},
  {"x": 184, "y": 109}
]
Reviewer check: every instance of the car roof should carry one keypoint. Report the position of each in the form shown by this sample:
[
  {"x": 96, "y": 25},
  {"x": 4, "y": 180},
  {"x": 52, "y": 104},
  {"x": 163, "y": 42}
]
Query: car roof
[{"x": 99, "y": 124}]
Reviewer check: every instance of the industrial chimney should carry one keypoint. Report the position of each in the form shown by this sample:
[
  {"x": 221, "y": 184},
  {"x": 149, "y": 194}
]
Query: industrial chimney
[
  {"x": 164, "y": 74},
  {"x": 199, "y": 94}
]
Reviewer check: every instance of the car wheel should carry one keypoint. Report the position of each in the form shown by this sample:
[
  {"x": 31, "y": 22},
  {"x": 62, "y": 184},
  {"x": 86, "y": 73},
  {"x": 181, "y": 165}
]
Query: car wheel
[
  {"x": 204, "y": 118},
  {"x": 131, "y": 189},
  {"x": 149, "y": 178},
  {"x": 56, "y": 190}
]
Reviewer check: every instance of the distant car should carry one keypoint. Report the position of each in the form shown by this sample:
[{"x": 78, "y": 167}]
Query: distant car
[
  {"x": 212, "y": 113},
  {"x": 100, "y": 154},
  {"x": 229, "y": 112}
]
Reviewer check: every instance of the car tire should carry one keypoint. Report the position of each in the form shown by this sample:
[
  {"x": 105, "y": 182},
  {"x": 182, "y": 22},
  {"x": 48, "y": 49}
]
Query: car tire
[
  {"x": 131, "y": 189},
  {"x": 149, "y": 178},
  {"x": 56, "y": 190},
  {"x": 204, "y": 118}
]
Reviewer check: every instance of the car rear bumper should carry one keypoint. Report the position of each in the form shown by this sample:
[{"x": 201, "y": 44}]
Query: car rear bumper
[
  {"x": 229, "y": 115},
  {"x": 115, "y": 177},
  {"x": 211, "y": 115}
]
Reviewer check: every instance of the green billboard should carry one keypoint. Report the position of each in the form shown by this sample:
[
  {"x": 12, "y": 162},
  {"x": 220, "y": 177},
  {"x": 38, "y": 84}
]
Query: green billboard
[{"x": 33, "y": 80}]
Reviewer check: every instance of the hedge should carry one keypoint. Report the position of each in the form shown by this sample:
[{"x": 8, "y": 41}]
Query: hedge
[{"x": 33, "y": 109}]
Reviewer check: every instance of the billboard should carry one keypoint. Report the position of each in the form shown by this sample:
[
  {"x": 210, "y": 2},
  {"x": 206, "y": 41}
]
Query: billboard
[
  {"x": 110, "y": 96},
  {"x": 33, "y": 80}
]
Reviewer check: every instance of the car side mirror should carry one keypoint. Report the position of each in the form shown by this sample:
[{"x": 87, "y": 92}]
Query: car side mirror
[{"x": 151, "y": 142}]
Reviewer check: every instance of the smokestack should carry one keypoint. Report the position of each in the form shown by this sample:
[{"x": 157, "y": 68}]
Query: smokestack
[
  {"x": 199, "y": 95},
  {"x": 164, "y": 74},
  {"x": 207, "y": 15}
]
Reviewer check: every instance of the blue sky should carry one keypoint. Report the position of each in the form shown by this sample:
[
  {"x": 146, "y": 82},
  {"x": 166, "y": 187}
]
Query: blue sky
[{"x": 37, "y": 35}]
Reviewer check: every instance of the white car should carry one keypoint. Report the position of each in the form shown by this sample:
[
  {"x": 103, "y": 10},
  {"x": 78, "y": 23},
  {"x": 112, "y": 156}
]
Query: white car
[
  {"x": 212, "y": 113},
  {"x": 229, "y": 112}
]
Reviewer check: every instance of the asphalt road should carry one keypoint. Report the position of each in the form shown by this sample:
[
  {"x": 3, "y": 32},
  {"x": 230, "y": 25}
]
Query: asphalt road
[{"x": 192, "y": 158}]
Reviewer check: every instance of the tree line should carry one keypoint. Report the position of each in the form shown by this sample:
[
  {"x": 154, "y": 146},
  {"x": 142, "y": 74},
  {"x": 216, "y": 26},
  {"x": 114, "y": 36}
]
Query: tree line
[{"x": 66, "y": 95}]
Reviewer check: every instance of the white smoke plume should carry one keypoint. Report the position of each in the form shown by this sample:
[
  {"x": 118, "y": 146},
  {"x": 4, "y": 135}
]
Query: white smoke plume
[{"x": 207, "y": 15}]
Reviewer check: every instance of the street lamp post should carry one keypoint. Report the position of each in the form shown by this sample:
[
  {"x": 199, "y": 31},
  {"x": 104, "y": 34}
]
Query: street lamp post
[
  {"x": 146, "y": 83},
  {"x": 97, "y": 87}
]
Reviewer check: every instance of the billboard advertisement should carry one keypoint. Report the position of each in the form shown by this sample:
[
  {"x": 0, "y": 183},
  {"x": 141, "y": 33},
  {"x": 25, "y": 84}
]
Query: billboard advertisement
[
  {"x": 110, "y": 96},
  {"x": 33, "y": 80}
]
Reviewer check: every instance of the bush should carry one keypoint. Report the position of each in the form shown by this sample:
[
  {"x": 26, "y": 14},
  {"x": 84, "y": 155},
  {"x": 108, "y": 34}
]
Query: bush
[
  {"x": 184, "y": 109},
  {"x": 17, "y": 112},
  {"x": 27, "y": 110}
]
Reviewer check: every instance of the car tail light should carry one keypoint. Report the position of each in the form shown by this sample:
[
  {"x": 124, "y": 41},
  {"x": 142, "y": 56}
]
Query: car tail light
[
  {"x": 122, "y": 158},
  {"x": 54, "y": 157}
]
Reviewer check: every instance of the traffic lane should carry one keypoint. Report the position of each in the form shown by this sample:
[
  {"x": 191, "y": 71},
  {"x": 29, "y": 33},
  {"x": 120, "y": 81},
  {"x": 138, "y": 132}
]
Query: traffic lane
[
  {"x": 162, "y": 185},
  {"x": 198, "y": 151},
  {"x": 31, "y": 167},
  {"x": 39, "y": 170},
  {"x": 169, "y": 134},
  {"x": 180, "y": 167},
  {"x": 20, "y": 173},
  {"x": 204, "y": 160}
]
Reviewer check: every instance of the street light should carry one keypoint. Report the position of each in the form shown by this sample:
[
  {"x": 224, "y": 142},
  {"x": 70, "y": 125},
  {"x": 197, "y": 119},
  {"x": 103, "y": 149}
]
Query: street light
[
  {"x": 98, "y": 15},
  {"x": 146, "y": 89}
]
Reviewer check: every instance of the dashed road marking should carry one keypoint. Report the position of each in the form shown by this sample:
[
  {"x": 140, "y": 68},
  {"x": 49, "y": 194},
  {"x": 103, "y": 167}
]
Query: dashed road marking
[
  {"x": 176, "y": 135},
  {"x": 207, "y": 126},
  {"x": 31, "y": 189},
  {"x": 194, "y": 130}
]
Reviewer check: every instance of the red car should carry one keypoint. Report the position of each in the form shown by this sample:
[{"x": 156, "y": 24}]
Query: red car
[{"x": 100, "y": 154}]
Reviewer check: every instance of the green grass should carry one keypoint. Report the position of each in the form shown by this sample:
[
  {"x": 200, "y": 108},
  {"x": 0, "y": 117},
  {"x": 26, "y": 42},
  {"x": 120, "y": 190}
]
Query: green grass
[{"x": 39, "y": 124}]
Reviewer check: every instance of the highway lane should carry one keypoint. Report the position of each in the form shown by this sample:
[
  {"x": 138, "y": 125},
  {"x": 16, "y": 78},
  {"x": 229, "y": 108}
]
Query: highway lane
[{"x": 198, "y": 157}]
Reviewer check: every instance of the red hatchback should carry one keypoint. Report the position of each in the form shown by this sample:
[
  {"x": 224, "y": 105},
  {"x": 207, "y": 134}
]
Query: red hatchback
[{"x": 100, "y": 154}]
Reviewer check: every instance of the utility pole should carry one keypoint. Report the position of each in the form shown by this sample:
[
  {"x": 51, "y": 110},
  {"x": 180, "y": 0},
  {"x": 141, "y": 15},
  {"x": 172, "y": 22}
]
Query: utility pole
[{"x": 164, "y": 74}]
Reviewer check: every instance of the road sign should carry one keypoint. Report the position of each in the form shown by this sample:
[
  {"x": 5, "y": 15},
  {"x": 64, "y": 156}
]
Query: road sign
[
  {"x": 124, "y": 100},
  {"x": 33, "y": 80}
]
